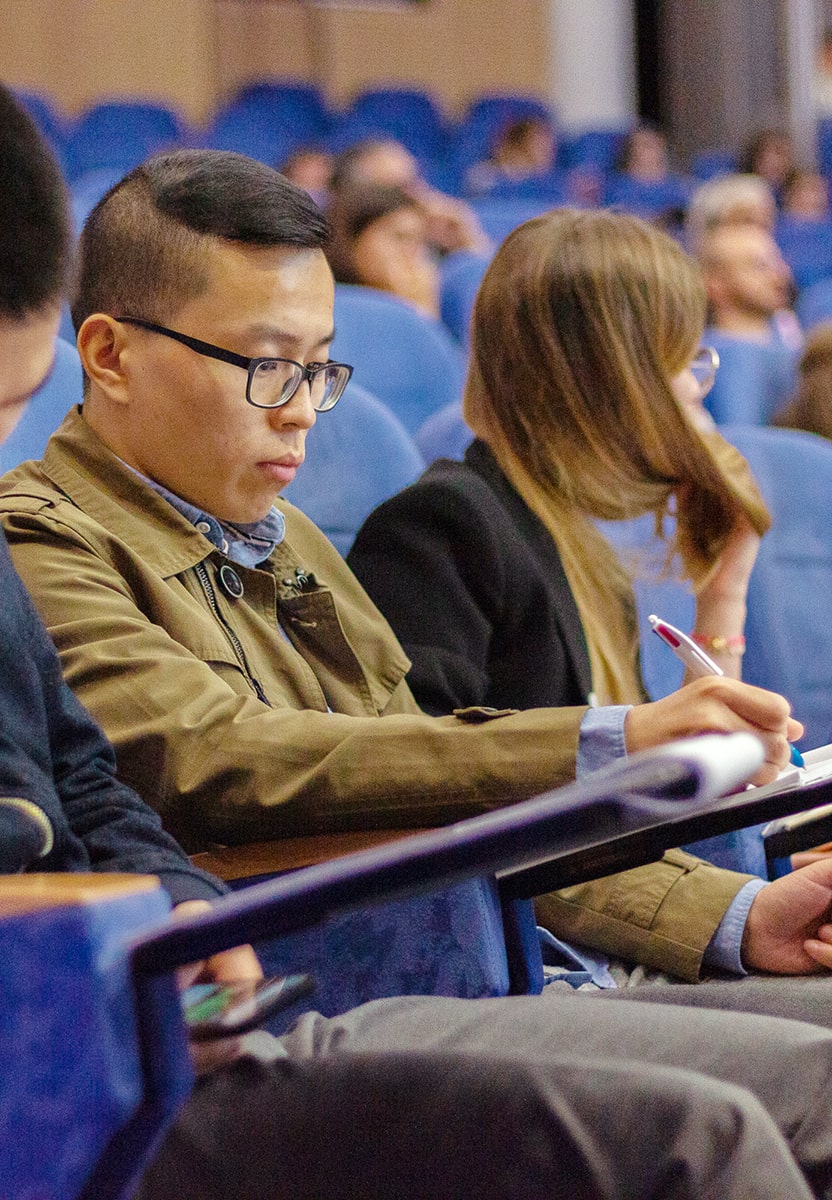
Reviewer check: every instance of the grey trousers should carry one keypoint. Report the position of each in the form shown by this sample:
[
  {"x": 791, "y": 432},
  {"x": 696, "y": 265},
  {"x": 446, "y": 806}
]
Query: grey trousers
[{"x": 524, "y": 1097}]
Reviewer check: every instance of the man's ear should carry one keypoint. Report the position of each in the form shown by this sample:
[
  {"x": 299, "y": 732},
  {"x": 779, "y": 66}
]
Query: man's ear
[{"x": 102, "y": 342}]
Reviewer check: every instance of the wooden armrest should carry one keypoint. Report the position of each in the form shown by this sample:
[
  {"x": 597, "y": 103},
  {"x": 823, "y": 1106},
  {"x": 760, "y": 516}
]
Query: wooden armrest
[
  {"x": 25, "y": 893},
  {"x": 287, "y": 854}
]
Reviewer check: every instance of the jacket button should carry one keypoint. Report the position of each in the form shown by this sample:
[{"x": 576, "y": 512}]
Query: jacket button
[{"x": 230, "y": 582}]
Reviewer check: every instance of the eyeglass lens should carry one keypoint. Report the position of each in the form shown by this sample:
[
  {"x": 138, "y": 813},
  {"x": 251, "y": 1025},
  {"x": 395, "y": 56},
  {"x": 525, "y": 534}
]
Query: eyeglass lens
[{"x": 274, "y": 382}]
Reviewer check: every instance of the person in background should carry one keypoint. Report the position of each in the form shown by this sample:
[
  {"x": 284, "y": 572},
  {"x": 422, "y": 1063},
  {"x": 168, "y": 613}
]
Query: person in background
[
  {"x": 728, "y": 200},
  {"x": 310, "y": 168},
  {"x": 811, "y": 407},
  {"x": 522, "y": 149},
  {"x": 644, "y": 155},
  {"x": 452, "y": 224},
  {"x": 379, "y": 240},
  {"x": 769, "y": 153}
]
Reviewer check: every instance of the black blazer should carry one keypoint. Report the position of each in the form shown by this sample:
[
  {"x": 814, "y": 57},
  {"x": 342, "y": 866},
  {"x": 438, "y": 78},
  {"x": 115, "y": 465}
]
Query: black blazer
[{"x": 473, "y": 585}]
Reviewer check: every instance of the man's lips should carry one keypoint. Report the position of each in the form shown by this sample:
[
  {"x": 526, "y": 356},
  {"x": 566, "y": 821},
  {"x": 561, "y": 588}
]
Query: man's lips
[{"x": 283, "y": 470}]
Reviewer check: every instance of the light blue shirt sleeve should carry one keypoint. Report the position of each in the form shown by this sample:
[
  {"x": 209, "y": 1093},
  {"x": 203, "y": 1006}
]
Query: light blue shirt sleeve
[
  {"x": 601, "y": 738},
  {"x": 724, "y": 948}
]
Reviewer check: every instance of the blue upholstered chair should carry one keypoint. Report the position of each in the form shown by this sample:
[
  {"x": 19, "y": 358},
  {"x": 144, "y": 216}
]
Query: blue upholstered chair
[
  {"x": 92, "y": 1088},
  {"x": 647, "y": 199},
  {"x": 406, "y": 359},
  {"x": 498, "y": 215},
  {"x": 408, "y": 115},
  {"x": 46, "y": 409},
  {"x": 357, "y": 455},
  {"x": 444, "y": 434},
  {"x": 461, "y": 275},
  {"x": 121, "y": 134},
  {"x": 788, "y": 629},
  {"x": 754, "y": 379},
  {"x": 814, "y": 303},
  {"x": 806, "y": 246}
]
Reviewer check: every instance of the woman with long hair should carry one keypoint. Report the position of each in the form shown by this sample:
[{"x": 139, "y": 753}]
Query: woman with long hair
[{"x": 584, "y": 393}]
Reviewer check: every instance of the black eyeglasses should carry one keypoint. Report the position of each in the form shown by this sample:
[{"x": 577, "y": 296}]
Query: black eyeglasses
[{"x": 272, "y": 382}]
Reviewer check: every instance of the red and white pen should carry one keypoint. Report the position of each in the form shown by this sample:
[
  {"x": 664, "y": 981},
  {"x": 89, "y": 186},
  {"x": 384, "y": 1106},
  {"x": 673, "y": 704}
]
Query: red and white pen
[
  {"x": 685, "y": 648},
  {"x": 698, "y": 662}
]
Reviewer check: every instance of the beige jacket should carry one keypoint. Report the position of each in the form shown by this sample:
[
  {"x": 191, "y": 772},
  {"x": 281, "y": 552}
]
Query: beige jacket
[{"x": 238, "y": 729}]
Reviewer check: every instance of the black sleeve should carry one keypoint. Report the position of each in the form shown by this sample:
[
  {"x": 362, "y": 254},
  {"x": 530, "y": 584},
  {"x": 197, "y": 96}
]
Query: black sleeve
[{"x": 429, "y": 561}]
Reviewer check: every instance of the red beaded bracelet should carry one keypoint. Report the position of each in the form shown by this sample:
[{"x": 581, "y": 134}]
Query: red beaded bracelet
[{"x": 720, "y": 645}]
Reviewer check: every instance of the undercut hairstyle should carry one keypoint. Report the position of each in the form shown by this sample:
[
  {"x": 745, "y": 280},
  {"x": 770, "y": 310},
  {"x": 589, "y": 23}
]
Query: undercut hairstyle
[
  {"x": 142, "y": 247},
  {"x": 36, "y": 251}
]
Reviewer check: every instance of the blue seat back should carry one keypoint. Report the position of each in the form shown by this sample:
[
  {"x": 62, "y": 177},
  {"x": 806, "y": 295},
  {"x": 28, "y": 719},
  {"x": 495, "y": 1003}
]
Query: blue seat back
[
  {"x": 498, "y": 215},
  {"x": 814, "y": 304},
  {"x": 93, "y": 1087},
  {"x": 268, "y": 121},
  {"x": 409, "y": 361},
  {"x": 461, "y": 275},
  {"x": 597, "y": 148},
  {"x": 46, "y": 409},
  {"x": 483, "y": 120},
  {"x": 806, "y": 246},
  {"x": 409, "y": 116},
  {"x": 121, "y": 134},
  {"x": 356, "y": 456},
  {"x": 754, "y": 379},
  {"x": 444, "y": 434},
  {"x": 788, "y": 629},
  {"x": 647, "y": 199}
]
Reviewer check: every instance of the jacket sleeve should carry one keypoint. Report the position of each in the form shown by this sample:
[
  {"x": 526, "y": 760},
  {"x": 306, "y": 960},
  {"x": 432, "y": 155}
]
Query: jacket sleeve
[
  {"x": 663, "y": 914},
  {"x": 221, "y": 766}
]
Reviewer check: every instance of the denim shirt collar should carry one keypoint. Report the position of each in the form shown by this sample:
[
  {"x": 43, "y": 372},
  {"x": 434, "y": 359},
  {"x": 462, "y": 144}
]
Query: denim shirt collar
[{"x": 246, "y": 544}]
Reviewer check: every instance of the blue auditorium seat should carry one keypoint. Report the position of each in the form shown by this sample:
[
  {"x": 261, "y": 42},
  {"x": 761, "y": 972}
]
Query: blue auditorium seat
[
  {"x": 406, "y": 359},
  {"x": 598, "y": 148},
  {"x": 814, "y": 304},
  {"x": 46, "y": 409},
  {"x": 267, "y": 121},
  {"x": 498, "y": 215},
  {"x": 754, "y": 379},
  {"x": 357, "y": 455},
  {"x": 647, "y": 200},
  {"x": 806, "y": 246},
  {"x": 410, "y": 116},
  {"x": 121, "y": 134},
  {"x": 444, "y": 434},
  {"x": 460, "y": 277},
  {"x": 483, "y": 120}
]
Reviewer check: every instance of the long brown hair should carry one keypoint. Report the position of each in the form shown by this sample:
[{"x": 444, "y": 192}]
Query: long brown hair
[
  {"x": 581, "y": 321},
  {"x": 811, "y": 408}
]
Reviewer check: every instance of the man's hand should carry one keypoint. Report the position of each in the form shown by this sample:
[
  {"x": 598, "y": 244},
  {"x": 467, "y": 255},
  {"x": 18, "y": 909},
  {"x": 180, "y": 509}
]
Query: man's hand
[
  {"x": 716, "y": 704},
  {"x": 232, "y": 965},
  {"x": 787, "y": 931}
]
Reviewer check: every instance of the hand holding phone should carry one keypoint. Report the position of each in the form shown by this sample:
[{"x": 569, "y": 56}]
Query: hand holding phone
[{"x": 221, "y": 1010}]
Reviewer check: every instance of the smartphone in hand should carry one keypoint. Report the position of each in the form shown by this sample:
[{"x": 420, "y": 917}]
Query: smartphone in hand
[{"x": 217, "y": 1010}]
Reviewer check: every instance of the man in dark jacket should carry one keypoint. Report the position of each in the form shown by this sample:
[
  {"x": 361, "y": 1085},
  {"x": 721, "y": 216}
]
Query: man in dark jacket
[{"x": 412, "y": 1097}]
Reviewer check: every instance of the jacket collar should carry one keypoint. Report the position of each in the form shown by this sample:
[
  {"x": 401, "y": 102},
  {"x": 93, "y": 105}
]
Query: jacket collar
[{"x": 93, "y": 478}]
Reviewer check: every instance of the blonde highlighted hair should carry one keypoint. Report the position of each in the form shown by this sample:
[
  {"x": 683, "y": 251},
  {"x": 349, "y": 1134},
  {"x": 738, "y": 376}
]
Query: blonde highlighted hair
[{"x": 581, "y": 322}]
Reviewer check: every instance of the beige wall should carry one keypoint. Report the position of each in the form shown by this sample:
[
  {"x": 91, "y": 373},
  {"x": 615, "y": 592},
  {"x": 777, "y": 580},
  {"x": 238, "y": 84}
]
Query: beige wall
[{"x": 192, "y": 53}]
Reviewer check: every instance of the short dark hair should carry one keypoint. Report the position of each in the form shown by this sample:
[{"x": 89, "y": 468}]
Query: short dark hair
[
  {"x": 36, "y": 250},
  {"x": 142, "y": 244},
  {"x": 353, "y": 210}
]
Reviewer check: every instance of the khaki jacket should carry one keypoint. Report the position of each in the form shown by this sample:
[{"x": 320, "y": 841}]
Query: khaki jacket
[{"x": 237, "y": 728}]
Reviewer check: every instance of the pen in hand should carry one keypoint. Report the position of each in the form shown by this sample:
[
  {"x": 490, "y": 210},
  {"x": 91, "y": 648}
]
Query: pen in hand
[{"x": 697, "y": 661}]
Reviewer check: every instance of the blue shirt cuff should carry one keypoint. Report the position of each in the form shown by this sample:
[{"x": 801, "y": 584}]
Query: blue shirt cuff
[
  {"x": 724, "y": 947},
  {"x": 601, "y": 738}
]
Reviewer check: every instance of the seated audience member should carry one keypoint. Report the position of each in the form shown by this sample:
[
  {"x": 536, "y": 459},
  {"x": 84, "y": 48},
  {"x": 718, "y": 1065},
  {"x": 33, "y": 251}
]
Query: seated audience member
[
  {"x": 528, "y": 603},
  {"x": 643, "y": 182},
  {"x": 769, "y": 153},
  {"x": 524, "y": 148},
  {"x": 729, "y": 200},
  {"x": 251, "y": 687},
  {"x": 806, "y": 196},
  {"x": 452, "y": 224},
  {"x": 811, "y": 407},
  {"x": 643, "y": 155},
  {"x": 310, "y": 169},
  {"x": 406, "y": 1098},
  {"x": 379, "y": 239},
  {"x": 749, "y": 286}
]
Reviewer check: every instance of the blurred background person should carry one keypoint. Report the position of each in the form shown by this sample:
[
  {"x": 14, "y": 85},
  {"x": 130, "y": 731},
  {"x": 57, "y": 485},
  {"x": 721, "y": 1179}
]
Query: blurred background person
[
  {"x": 452, "y": 224},
  {"x": 310, "y": 168},
  {"x": 811, "y": 407},
  {"x": 749, "y": 285},
  {"x": 806, "y": 196},
  {"x": 523, "y": 149},
  {"x": 769, "y": 153},
  {"x": 729, "y": 200},
  {"x": 379, "y": 239}
]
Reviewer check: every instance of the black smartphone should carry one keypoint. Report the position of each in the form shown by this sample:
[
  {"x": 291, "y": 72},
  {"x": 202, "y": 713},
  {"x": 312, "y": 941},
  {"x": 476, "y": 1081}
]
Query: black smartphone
[{"x": 217, "y": 1010}]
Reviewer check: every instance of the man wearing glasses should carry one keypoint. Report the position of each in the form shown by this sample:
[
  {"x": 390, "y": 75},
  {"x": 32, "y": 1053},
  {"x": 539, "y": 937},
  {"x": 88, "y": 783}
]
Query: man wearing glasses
[{"x": 224, "y": 646}]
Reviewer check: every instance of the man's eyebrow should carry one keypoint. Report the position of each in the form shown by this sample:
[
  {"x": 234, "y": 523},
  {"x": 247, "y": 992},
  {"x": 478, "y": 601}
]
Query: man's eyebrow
[{"x": 273, "y": 334}]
